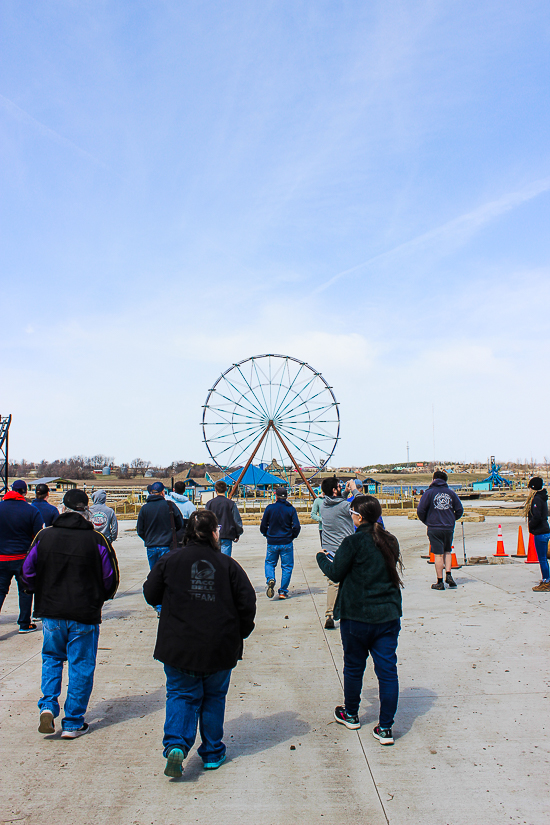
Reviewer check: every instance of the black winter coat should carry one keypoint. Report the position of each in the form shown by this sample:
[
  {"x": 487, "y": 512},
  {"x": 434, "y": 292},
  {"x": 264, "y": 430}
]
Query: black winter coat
[
  {"x": 208, "y": 608},
  {"x": 538, "y": 514},
  {"x": 154, "y": 525}
]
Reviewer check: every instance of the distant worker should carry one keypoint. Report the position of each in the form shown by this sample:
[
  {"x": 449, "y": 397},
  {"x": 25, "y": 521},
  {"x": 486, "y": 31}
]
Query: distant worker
[
  {"x": 19, "y": 524},
  {"x": 439, "y": 509},
  {"x": 536, "y": 513},
  {"x": 46, "y": 510},
  {"x": 72, "y": 570},
  {"x": 229, "y": 518},
  {"x": 184, "y": 505},
  {"x": 280, "y": 526},
  {"x": 157, "y": 525},
  {"x": 316, "y": 515},
  {"x": 337, "y": 524},
  {"x": 103, "y": 516}
]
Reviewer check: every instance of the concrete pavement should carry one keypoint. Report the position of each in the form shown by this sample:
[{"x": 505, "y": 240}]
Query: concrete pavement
[{"x": 471, "y": 729}]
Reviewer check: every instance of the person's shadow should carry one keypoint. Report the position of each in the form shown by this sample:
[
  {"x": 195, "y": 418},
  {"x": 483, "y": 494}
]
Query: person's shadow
[
  {"x": 114, "y": 711},
  {"x": 413, "y": 702}
]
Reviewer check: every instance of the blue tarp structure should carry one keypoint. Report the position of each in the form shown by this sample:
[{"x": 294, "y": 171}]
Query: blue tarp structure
[{"x": 255, "y": 477}]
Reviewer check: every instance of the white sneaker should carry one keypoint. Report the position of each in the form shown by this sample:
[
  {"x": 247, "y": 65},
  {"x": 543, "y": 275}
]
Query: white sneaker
[{"x": 74, "y": 734}]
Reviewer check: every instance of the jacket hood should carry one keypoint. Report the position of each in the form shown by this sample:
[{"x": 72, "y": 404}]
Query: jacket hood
[
  {"x": 282, "y": 501},
  {"x": 179, "y": 497},
  {"x": 438, "y": 482},
  {"x": 13, "y": 495},
  {"x": 334, "y": 501},
  {"x": 73, "y": 521},
  {"x": 543, "y": 493},
  {"x": 154, "y": 497},
  {"x": 99, "y": 497}
]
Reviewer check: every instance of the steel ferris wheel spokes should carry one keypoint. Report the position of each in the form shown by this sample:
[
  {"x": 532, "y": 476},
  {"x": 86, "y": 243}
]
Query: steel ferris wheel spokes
[{"x": 278, "y": 399}]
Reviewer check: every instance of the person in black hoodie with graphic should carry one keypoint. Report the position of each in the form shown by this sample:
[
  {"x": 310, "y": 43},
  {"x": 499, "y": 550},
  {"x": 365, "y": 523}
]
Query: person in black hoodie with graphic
[
  {"x": 72, "y": 570},
  {"x": 439, "y": 509},
  {"x": 208, "y": 608},
  {"x": 536, "y": 513}
]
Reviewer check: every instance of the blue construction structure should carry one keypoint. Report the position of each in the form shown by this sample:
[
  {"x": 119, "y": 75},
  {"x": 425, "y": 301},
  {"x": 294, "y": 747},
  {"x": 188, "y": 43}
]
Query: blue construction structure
[
  {"x": 255, "y": 477},
  {"x": 494, "y": 479}
]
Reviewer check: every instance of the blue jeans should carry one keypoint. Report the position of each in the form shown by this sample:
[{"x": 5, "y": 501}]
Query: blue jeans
[
  {"x": 380, "y": 640},
  {"x": 192, "y": 699},
  {"x": 76, "y": 643},
  {"x": 286, "y": 553},
  {"x": 9, "y": 569},
  {"x": 541, "y": 546},
  {"x": 153, "y": 555},
  {"x": 226, "y": 546}
]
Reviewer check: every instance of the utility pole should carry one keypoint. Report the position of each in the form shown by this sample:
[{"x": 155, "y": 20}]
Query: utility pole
[{"x": 407, "y": 453}]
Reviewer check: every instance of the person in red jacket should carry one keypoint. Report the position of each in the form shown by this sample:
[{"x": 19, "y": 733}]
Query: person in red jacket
[{"x": 19, "y": 524}]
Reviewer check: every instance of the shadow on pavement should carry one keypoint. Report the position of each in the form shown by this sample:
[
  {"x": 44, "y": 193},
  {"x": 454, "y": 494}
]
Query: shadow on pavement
[
  {"x": 113, "y": 711},
  {"x": 413, "y": 702},
  {"x": 247, "y": 734}
]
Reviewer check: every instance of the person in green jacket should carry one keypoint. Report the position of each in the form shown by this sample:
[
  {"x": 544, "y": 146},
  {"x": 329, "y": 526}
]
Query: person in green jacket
[
  {"x": 367, "y": 566},
  {"x": 316, "y": 516}
]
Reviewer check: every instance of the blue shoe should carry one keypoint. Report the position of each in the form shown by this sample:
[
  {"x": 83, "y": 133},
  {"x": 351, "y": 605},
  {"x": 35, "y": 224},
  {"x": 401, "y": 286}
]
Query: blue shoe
[
  {"x": 174, "y": 762},
  {"x": 212, "y": 766}
]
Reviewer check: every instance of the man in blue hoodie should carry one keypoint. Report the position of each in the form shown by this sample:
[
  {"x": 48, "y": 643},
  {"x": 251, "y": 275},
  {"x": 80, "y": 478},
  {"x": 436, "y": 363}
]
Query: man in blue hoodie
[
  {"x": 280, "y": 526},
  {"x": 439, "y": 509}
]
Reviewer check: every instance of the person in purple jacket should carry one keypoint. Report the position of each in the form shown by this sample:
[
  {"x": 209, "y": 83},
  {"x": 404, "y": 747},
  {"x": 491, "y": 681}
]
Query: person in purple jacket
[{"x": 72, "y": 570}]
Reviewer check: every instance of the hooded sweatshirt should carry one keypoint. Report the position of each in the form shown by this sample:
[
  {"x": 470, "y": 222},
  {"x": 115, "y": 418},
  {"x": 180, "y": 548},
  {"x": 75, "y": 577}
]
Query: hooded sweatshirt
[
  {"x": 280, "y": 523},
  {"x": 185, "y": 506},
  {"x": 103, "y": 517},
  {"x": 439, "y": 507},
  {"x": 538, "y": 514},
  {"x": 19, "y": 524},
  {"x": 337, "y": 523}
]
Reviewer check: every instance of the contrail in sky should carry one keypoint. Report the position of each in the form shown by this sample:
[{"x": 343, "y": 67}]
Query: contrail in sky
[
  {"x": 45, "y": 131},
  {"x": 464, "y": 224}
]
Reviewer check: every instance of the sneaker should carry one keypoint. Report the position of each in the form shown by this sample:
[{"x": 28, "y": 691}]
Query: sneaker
[
  {"x": 345, "y": 718},
  {"x": 174, "y": 762},
  {"x": 270, "y": 591},
  {"x": 329, "y": 623},
  {"x": 30, "y": 629},
  {"x": 74, "y": 734},
  {"x": 284, "y": 596},
  {"x": 46, "y": 722},
  {"x": 384, "y": 735},
  {"x": 543, "y": 587},
  {"x": 450, "y": 581},
  {"x": 213, "y": 766},
  {"x": 438, "y": 586}
]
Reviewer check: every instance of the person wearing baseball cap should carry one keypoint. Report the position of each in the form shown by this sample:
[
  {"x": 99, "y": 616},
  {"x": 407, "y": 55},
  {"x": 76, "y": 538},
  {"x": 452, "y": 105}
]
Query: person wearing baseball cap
[
  {"x": 536, "y": 513},
  {"x": 280, "y": 526},
  {"x": 19, "y": 524}
]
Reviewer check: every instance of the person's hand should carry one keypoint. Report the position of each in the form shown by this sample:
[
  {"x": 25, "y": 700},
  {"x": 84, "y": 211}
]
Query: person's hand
[
  {"x": 352, "y": 484},
  {"x": 236, "y": 539}
]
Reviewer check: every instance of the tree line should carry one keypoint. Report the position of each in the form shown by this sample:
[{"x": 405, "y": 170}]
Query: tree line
[{"x": 80, "y": 467}]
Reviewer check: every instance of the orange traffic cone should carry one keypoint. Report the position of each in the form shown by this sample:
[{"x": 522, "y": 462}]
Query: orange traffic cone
[
  {"x": 532, "y": 557},
  {"x": 431, "y": 560},
  {"x": 521, "y": 546},
  {"x": 500, "y": 544},
  {"x": 454, "y": 563}
]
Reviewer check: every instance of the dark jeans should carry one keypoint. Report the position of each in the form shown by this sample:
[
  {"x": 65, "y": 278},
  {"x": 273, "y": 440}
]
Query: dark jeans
[
  {"x": 9, "y": 569},
  {"x": 380, "y": 640},
  {"x": 192, "y": 699},
  {"x": 541, "y": 546}
]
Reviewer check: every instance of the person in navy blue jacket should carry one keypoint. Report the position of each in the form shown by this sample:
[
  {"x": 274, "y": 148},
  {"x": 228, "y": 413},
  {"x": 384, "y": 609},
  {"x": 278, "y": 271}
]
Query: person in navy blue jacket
[
  {"x": 47, "y": 510},
  {"x": 280, "y": 526},
  {"x": 439, "y": 509},
  {"x": 19, "y": 524}
]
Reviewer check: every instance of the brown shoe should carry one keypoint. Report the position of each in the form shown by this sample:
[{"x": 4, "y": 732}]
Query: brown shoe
[{"x": 543, "y": 587}]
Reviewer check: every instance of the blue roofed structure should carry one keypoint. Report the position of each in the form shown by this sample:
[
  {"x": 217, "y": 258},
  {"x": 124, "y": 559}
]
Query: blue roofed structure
[{"x": 255, "y": 477}]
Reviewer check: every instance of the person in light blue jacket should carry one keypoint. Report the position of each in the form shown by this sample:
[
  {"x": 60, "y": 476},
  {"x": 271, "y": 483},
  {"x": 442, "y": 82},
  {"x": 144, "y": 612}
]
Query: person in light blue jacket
[{"x": 184, "y": 505}]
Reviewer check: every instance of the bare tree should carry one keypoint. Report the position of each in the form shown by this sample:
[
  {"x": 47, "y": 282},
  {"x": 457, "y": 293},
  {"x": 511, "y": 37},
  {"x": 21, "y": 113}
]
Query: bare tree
[{"x": 140, "y": 465}]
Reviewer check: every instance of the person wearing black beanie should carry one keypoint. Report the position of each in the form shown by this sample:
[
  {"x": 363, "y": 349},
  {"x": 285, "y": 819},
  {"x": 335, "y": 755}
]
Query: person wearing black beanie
[{"x": 536, "y": 513}]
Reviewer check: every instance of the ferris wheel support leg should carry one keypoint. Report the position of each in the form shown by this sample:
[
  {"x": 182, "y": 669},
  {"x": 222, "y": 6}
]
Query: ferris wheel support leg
[
  {"x": 249, "y": 462},
  {"x": 298, "y": 469}
]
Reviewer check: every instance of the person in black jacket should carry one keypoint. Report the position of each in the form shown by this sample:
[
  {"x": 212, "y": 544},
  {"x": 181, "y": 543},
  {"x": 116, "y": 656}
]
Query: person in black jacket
[
  {"x": 536, "y": 512},
  {"x": 439, "y": 509},
  {"x": 229, "y": 518},
  {"x": 208, "y": 608},
  {"x": 72, "y": 570},
  {"x": 280, "y": 526},
  {"x": 157, "y": 524}
]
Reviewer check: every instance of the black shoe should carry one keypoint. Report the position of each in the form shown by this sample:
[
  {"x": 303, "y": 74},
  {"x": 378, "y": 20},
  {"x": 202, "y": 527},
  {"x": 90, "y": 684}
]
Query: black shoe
[
  {"x": 29, "y": 629},
  {"x": 450, "y": 581},
  {"x": 438, "y": 586},
  {"x": 344, "y": 718},
  {"x": 384, "y": 735},
  {"x": 270, "y": 590},
  {"x": 329, "y": 623}
]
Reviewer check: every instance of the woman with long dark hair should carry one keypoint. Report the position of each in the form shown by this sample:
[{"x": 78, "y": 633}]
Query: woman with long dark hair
[
  {"x": 536, "y": 513},
  {"x": 208, "y": 608},
  {"x": 367, "y": 567}
]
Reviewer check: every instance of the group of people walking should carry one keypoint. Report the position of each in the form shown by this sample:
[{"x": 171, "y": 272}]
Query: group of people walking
[{"x": 204, "y": 599}]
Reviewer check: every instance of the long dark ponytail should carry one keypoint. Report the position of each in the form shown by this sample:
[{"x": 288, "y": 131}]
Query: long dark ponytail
[
  {"x": 370, "y": 511},
  {"x": 201, "y": 527}
]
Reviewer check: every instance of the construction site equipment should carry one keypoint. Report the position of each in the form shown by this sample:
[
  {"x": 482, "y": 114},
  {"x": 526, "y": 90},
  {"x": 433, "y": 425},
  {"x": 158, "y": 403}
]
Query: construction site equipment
[
  {"x": 500, "y": 543},
  {"x": 5, "y": 421},
  {"x": 269, "y": 405}
]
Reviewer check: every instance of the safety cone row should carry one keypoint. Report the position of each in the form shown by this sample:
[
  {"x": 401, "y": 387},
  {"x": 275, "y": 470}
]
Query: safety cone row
[
  {"x": 500, "y": 544},
  {"x": 532, "y": 557},
  {"x": 521, "y": 546}
]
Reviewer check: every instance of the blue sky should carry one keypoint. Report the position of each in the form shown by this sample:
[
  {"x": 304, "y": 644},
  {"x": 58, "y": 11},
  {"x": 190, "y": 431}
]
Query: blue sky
[{"x": 363, "y": 186}]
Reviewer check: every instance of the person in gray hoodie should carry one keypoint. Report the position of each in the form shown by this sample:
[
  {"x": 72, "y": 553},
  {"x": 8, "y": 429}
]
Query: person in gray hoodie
[
  {"x": 103, "y": 517},
  {"x": 184, "y": 505},
  {"x": 337, "y": 525}
]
